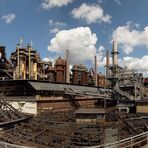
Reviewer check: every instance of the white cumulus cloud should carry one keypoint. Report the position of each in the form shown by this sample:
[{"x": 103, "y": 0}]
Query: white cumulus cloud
[
  {"x": 118, "y": 2},
  {"x": 50, "y": 59},
  {"x": 57, "y": 23},
  {"x": 140, "y": 64},
  {"x": 91, "y": 14},
  {"x": 130, "y": 37},
  {"x": 54, "y": 30},
  {"x": 56, "y": 26},
  {"x": 79, "y": 41},
  {"x": 9, "y": 18},
  {"x": 100, "y": 53},
  {"x": 47, "y": 4}
]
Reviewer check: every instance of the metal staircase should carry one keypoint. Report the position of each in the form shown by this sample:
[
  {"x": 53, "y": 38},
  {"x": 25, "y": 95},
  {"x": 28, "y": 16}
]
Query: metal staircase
[{"x": 123, "y": 93}]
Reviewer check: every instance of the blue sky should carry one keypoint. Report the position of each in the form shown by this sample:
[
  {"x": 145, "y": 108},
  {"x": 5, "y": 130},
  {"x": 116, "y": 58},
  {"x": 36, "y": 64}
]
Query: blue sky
[{"x": 85, "y": 28}]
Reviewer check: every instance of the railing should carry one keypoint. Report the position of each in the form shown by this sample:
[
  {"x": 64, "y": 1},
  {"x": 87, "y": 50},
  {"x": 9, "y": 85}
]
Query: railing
[
  {"x": 8, "y": 145},
  {"x": 135, "y": 141},
  {"x": 138, "y": 140}
]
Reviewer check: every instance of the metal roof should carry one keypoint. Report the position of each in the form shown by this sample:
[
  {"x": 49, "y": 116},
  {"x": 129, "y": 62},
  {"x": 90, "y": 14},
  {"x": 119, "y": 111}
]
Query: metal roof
[
  {"x": 46, "y": 86},
  {"x": 61, "y": 87}
]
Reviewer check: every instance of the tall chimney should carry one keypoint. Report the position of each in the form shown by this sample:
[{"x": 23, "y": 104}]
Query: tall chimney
[
  {"x": 107, "y": 63},
  {"x": 67, "y": 67},
  {"x": 96, "y": 78},
  {"x": 115, "y": 53}
]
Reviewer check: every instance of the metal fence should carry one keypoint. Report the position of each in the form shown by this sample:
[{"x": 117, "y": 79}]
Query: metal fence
[{"x": 131, "y": 142}]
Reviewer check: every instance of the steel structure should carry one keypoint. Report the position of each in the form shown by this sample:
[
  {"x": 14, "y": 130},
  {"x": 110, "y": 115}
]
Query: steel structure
[
  {"x": 50, "y": 128},
  {"x": 127, "y": 83},
  {"x": 9, "y": 115}
]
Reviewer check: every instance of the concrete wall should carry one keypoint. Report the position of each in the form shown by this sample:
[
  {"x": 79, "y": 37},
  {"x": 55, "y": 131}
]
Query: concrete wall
[
  {"x": 25, "y": 107},
  {"x": 54, "y": 105}
]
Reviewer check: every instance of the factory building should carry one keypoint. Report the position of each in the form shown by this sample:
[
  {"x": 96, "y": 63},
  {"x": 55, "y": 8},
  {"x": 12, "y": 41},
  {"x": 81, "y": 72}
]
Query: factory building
[
  {"x": 90, "y": 115},
  {"x": 101, "y": 80},
  {"x": 142, "y": 105},
  {"x": 32, "y": 96},
  {"x": 72, "y": 103},
  {"x": 145, "y": 80},
  {"x": 126, "y": 82},
  {"x": 26, "y": 63},
  {"x": 80, "y": 75}
]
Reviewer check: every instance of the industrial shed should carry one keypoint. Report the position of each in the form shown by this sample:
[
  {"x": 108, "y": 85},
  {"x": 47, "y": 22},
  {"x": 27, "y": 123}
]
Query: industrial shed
[
  {"x": 87, "y": 115},
  {"x": 31, "y": 96}
]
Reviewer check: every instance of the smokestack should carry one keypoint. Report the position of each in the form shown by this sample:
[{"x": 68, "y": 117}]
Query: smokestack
[
  {"x": 96, "y": 78},
  {"x": 67, "y": 67},
  {"x": 107, "y": 63},
  {"x": 115, "y": 53},
  {"x": 107, "y": 58}
]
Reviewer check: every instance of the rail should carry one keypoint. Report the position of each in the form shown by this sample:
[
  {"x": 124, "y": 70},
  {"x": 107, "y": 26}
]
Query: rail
[
  {"x": 137, "y": 140},
  {"x": 8, "y": 145},
  {"x": 134, "y": 141}
]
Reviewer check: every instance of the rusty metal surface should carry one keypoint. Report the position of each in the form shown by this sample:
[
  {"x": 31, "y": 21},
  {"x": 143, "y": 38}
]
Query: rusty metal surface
[{"x": 59, "y": 129}]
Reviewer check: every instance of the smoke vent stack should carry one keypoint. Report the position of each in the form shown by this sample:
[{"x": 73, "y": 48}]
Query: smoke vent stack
[
  {"x": 67, "y": 67},
  {"x": 107, "y": 63},
  {"x": 107, "y": 58},
  {"x": 115, "y": 53},
  {"x": 96, "y": 78}
]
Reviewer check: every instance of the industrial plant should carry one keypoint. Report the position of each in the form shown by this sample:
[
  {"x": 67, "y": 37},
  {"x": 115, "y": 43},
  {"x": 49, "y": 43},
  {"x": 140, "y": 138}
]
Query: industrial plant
[{"x": 47, "y": 105}]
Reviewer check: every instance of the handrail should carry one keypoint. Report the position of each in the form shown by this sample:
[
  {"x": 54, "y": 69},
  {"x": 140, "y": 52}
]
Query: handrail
[
  {"x": 8, "y": 145},
  {"x": 128, "y": 141}
]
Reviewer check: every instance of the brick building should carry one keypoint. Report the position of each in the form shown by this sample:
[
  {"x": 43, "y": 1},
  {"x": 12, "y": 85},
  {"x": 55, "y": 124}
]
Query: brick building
[{"x": 80, "y": 75}]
